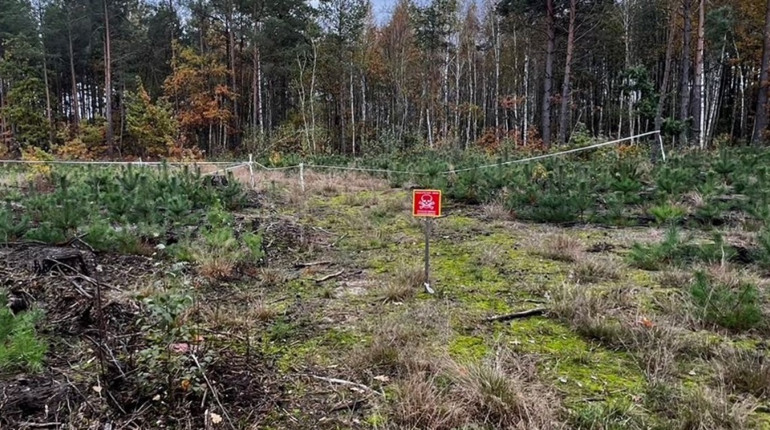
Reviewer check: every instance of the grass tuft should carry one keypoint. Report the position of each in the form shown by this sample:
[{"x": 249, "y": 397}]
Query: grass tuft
[
  {"x": 594, "y": 269},
  {"x": 395, "y": 292},
  {"x": 560, "y": 247},
  {"x": 745, "y": 372}
]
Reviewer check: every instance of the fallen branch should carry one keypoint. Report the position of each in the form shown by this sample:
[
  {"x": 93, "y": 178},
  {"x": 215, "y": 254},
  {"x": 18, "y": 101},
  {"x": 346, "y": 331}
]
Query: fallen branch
[
  {"x": 312, "y": 263},
  {"x": 327, "y": 277},
  {"x": 41, "y": 425},
  {"x": 517, "y": 315},
  {"x": 344, "y": 382}
]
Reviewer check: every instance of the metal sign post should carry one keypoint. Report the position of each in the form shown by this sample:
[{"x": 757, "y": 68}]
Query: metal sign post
[
  {"x": 427, "y": 204},
  {"x": 427, "y": 256}
]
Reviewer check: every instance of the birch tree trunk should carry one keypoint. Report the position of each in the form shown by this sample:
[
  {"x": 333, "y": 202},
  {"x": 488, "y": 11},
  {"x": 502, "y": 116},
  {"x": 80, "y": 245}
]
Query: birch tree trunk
[
  {"x": 525, "y": 134},
  {"x": 312, "y": 94}
]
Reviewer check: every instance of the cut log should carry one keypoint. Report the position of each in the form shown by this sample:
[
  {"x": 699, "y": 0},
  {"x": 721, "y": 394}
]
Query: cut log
[{"x": 44, "y": 259}]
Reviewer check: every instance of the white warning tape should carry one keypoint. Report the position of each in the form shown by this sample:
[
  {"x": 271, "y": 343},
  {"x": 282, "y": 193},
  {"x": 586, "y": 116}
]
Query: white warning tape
[
  {"x": 555, "y": 154},
  {"x": 252, "y": 163}
]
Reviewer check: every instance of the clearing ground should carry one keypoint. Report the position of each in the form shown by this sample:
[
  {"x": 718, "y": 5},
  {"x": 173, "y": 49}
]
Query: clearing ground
[{"x": 333, "y": 329}]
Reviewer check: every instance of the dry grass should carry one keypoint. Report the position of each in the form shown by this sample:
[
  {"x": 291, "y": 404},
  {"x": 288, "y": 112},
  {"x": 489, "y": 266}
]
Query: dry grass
[
  {"x": 708, "y": 409},
  {"x": 395, "y": 292},
  {"x": 411, "y": 277},
  {"x": 611, "y": 317},
  {"x": 240, "y": 316},
  {"x": 260, "y": 311},
  {"x": 504, "y": 392},
  {"x": 402, "y": 343},
  {"x": 678, "y": 279},
  {"x": 215, "y": 266},
  {"x": 321, "y": 182},
  {"x": 595, "y": 269},
  {"x": 272, "y": 276},
  {"x": 560, "y": 247},
  {"x": 493, "y": 256},
  {"x": 744, "y": 371},
  {"x": 496, "y": 210},
  {"x": 729, "y": 275},
  {"x": 420, "y": 403}
]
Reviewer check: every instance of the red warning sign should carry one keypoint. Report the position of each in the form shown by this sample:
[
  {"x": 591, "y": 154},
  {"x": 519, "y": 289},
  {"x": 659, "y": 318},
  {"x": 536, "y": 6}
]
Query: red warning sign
[{"x": 426, "y": 203}]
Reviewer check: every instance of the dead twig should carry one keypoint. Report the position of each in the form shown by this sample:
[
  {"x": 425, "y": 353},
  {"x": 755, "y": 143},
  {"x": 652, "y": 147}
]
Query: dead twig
[
  {"x": 213, "y": 391},
  {"x": 77, "y": 286},
  {"x": 79, "y": 238},
  {"x": 517, "y": 315},
  {"x": 338, "y": 240},
  {"x": 312, "y": 263},
  {"x": 327, "y": 277},
  {"x": 344, "y": 382}
]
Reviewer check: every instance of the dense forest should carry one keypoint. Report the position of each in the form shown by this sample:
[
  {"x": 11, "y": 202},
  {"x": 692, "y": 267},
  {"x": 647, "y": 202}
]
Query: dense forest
[{"x": 140, "y": 78}]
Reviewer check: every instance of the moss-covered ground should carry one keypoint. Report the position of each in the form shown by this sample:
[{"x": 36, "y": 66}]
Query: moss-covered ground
[{"x": 480, "y": 268}]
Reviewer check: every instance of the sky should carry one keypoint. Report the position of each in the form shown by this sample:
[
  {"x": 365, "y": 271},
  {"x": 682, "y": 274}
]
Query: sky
[{"x": 383, "y": 9}]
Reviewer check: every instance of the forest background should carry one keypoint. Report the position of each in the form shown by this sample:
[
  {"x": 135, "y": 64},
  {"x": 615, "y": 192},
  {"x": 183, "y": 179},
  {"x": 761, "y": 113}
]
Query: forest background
[{"x": 89, "y": 79}]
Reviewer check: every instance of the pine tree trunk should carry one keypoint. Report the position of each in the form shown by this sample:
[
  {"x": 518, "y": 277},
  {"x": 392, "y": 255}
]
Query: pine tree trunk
[
  {"x": 73, "y": 80},
  {"x": 108, "y": 82},
  {"x": 666, "y": 74},
  {"x": 303, "y": 108},
  {"x": 698, "y": 93},
  {"x": 565, "y": 92},
  {"x": 548, "y": 80},
  {"x": 48, "y": 114},
  {"x": 684, "y": 84},
  {"x": 236, "y": 118},
  {"x": 761, "y": 119}
]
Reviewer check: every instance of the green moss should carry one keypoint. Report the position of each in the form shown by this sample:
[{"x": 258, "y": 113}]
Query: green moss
[
  {"x": 468, "y": 348},
  {"x": 458, "y": 223},
  {"x": 580, "y": 368}
]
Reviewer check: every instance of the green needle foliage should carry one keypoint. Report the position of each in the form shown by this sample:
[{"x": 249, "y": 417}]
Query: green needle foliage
[
  {"x": 110, "y": 206},
  {"x": 20, "y": 347},
  {"x": 735, "y": 307}
]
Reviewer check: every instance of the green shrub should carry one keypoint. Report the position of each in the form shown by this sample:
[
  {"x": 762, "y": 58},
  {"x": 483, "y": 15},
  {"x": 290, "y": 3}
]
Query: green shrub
[
  {"x": 654, "y": 256},
  {"x": 20, "y": 347},
  {"x": 667, "y": 213},
  {"x": 10, "y": 227},
  {"x": 735, "y": 307},
  {"x": 673, "y": 250},
  {"x": 609, "y": 415}
]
